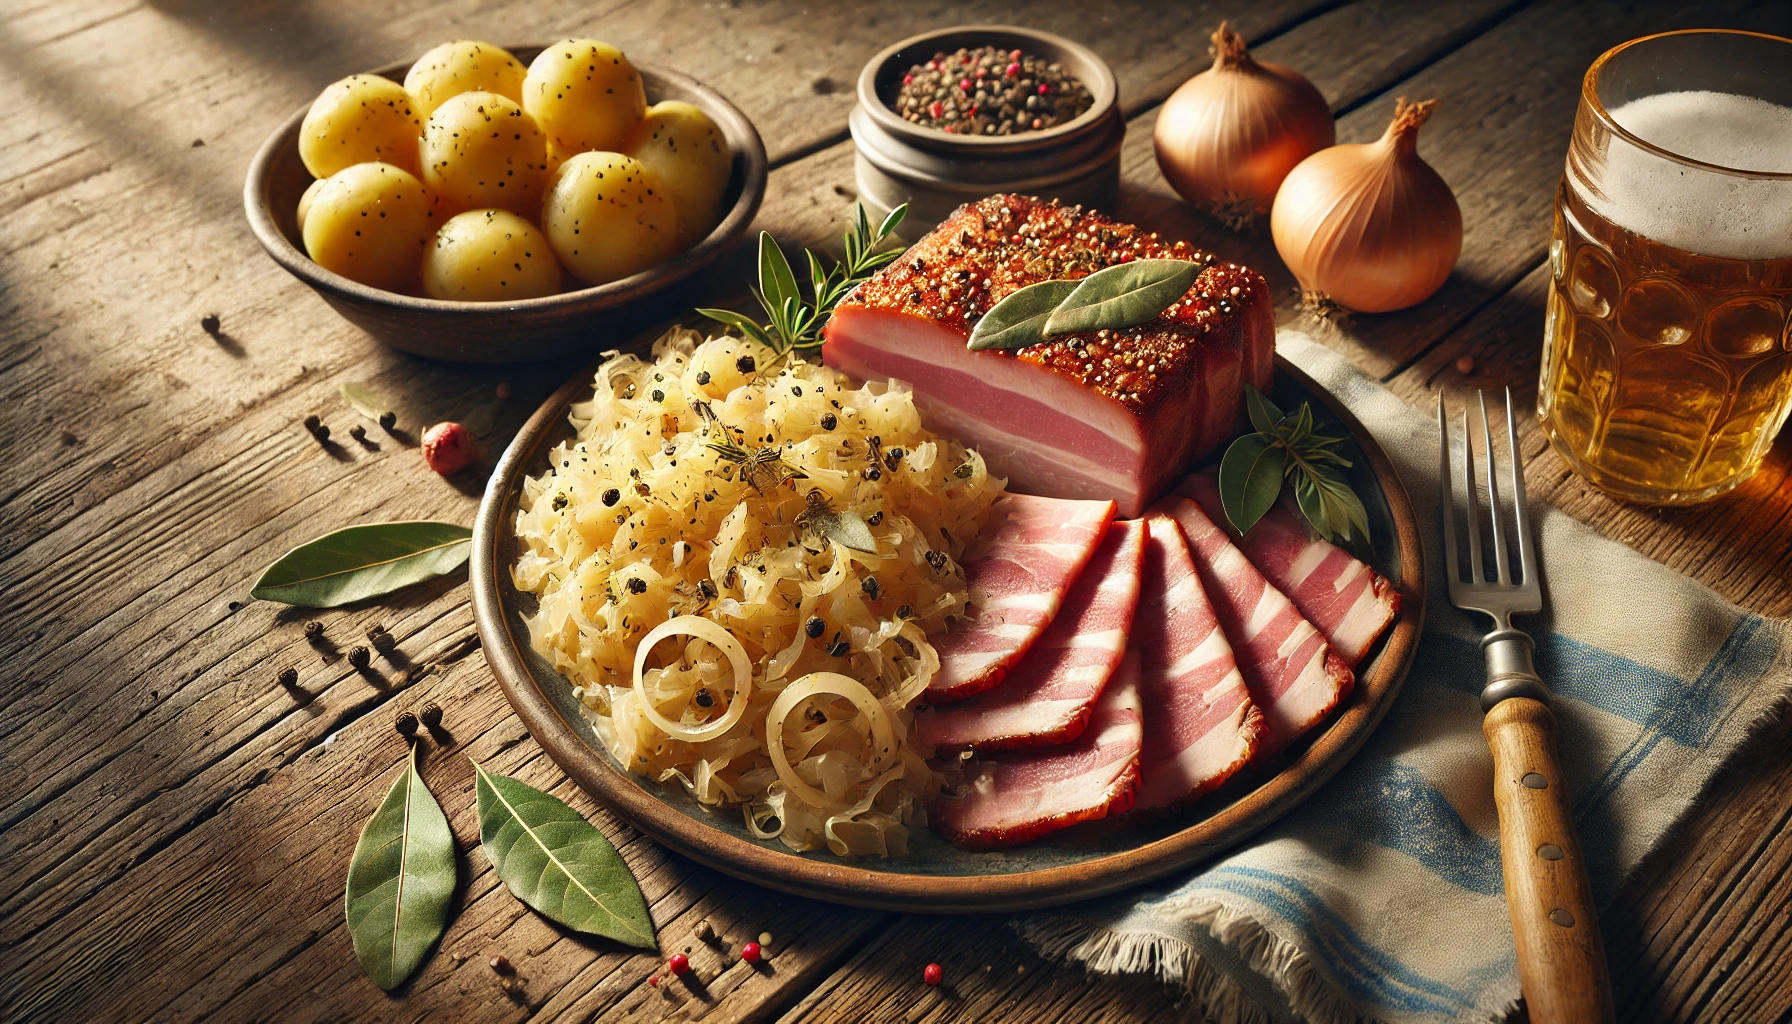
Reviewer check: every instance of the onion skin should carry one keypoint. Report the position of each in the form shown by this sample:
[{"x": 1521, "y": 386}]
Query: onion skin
[
  {"x": 1227, "y": 137},
  {"x": 1370, "y": 227}
]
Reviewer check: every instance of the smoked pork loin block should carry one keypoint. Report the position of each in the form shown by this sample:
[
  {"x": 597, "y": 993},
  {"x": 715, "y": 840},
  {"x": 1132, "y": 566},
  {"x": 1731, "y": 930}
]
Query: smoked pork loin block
[{"x": 1105, "y": 414}]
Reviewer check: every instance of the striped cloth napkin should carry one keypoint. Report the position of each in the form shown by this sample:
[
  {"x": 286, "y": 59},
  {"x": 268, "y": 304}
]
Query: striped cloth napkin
[{"x": 1381, "y": 897}]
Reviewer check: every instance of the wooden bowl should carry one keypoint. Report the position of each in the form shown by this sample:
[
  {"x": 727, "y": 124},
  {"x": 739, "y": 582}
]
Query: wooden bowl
[
  {"x": 1074, "y": 864},
  {"x": 495, "y": 332}
]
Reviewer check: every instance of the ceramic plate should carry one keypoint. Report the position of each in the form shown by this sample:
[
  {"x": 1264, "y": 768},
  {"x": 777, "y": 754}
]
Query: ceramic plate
[{"x": 1075, "y": 864}]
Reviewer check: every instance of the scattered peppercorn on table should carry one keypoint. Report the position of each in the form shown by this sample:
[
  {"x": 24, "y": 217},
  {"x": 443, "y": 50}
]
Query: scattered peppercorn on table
[{"x": 189, "y": 769}]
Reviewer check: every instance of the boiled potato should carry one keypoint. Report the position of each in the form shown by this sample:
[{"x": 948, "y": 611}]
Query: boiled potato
[
  {"x": 465, "y": 65},
  {"x": 584, "y": 94},
  {"x": 607, "y": 217},
  {"x": 305, "y": 201},
  {"x": 361, "y": 119},
  {"x": 686, "y": 151},
  {"x": 481, "y": 150},
  {"x": 370, "y": 223},
  {"x": 489, "y": 256}
]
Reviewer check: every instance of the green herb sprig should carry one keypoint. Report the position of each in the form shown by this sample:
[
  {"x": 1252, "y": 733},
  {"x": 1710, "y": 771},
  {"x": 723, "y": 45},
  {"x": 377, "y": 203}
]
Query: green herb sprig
[
  {"x": 793, "y": 324},
  {"x": 1286, "y": 447}
]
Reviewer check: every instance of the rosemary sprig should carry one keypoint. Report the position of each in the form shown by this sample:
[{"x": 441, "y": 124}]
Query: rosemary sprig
[
  {"x": 1286, "y": 447},
  {"x": 794, "y": 324}
]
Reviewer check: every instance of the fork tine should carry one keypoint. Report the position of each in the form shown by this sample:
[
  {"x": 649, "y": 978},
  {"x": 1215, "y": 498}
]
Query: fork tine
[
  {"x": 1493, "y": 495},
  {"x": 1474, "y": 502},
  {"x": 1527, "y": 555},
  {"x": 1446, "y": 500}
]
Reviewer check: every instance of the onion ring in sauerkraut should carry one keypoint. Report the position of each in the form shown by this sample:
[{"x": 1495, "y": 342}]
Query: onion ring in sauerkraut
[{"x": 722, "y": 640}]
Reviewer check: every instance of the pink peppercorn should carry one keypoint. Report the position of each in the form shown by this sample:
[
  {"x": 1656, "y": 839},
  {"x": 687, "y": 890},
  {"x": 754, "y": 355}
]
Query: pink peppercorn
[
  {"x": 1043, "y": 88},
  {"x": 938, "y": 109},
  {"x": 448, "y": 448},
  {"x": 654, "y": 980},
  {"x": 965, "y": 84},
  {"x": 678, "y": 963},
  {"x": 1013, "y": 70},
  {"x": 1014, "y": 55},
  {"x": 908, "y": 79},
  {"x": 750, "y": 952},
  {"x": 933, "y": 974}
]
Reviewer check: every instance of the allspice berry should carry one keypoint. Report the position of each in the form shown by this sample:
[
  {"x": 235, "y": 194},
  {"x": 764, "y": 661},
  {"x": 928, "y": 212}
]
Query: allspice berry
[
  {"x": 289, "y": 677},
  {"x": 432, "y": 714},
  {"x": 406, "y": 724},
  {"x": 360, "y": 657}
]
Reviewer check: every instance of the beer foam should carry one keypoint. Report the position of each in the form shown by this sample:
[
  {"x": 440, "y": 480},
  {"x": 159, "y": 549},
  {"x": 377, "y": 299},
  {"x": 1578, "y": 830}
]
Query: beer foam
[{"x": 1700, "y": 211}]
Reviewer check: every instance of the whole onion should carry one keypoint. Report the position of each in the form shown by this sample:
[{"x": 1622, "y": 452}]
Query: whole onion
[
  {"x": 1227, "y": 137},
  {"x": 1369, "y": 227}
]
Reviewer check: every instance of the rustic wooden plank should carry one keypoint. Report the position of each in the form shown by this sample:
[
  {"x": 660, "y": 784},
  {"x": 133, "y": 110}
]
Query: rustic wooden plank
[{"x": 989, "y": 974}]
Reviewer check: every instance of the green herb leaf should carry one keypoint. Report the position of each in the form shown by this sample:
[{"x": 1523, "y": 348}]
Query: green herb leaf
[
  {"x": 364, "y": 561},
  {"x": 1251, "y": 478},
  {"x": 365, "y": 401},
  {"x": 848, "y": 528},
  {"x": 891, "y": 221},
  {"x": 1263, "y": 412},
  {"x": 1123, "y": 296},
  {"x": 739, "y": 323},
  {"x": 775, "y": 277},
  {"x": 1019, "y": 319},
  {"x": 400, "y": 881},
  {"x": 554, "y": 860}
]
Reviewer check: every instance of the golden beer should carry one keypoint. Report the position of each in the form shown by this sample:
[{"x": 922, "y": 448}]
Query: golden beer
[{"x": 1667, "y": 360}]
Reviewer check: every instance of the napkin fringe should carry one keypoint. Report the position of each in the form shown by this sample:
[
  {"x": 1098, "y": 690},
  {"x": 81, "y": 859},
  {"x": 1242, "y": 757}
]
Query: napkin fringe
[{"x": 1219, "y": 998}]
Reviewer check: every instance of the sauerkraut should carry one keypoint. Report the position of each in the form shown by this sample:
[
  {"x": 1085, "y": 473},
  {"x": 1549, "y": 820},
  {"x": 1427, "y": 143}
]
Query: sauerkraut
[{"x": 814, "y": 522}]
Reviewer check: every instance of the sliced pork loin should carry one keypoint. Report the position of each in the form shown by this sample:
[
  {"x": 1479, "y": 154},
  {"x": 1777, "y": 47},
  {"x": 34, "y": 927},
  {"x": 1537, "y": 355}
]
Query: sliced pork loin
[
  {"x": 1106, "y": 414},
  {"x": 1048, "y": 696},
  {"x": 1025, "y": 795},
  {"x": 1200, "y": 723},
  {"x": 1034, "y": 550},
  {"x": 1351, "y": 603},
  {"x": 1288, "y": 667}
]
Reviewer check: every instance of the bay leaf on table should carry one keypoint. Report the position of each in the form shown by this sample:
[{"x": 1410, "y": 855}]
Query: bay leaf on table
[
  {"x": 365, "y": 400},
  {"x": 360, "y": 562},
  {"x": 1122, "y": 296},
  {"x": 1019, "y": 319},
  {"x": 400, "y": 881},
  {"x": 554, "y": 860}
]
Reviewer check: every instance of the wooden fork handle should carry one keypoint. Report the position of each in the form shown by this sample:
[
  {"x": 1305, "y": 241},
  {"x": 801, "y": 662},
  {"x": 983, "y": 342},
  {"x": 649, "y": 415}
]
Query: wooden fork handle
[{"x": 1561, "y": 958}]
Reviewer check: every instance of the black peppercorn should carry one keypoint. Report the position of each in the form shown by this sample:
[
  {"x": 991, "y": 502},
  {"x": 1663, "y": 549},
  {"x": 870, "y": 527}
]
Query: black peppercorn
[
  {"x": 705, "y": 932},
  {"x": 611, "y": 497},
  {"x": 815, "y": 627},
  {"x": 388, "y": 420},
  {"x": 358, "y": 432},
  {"x": 314, "y": 630},
  {"x": 312, "y": 422},
  {"x": 322, "y": 434},
  {"x": 501, "y": 965},
  {"x": 839, "y": 649},
  {"x": 637, "y": 585},
  {"x": 875, "y": 518},
  {"x": 406, "y": 724},
  {"x": 704, "y": 699},
  {"x": 702, "y": 377},
  {"x": 870, "y": 587},
  {"x": 379, "y": 638},
  {"x": 893, "y": 458},
  {"x": 210, "y": 324},
  {"x": 746, "y": 364},
  {"x": 874, "y": 473},
  {"x": 829, "y": 422},
  {"x": 432, "y": 714},
  {"x": 289, "y": 677},
  {"x": 903, "y": 611},
  {"x": 708, "y": 589},
  {"x": 559, "y": 502},
  {"x": 360, "y": 657},
  {"x": 658, "y": 395}
]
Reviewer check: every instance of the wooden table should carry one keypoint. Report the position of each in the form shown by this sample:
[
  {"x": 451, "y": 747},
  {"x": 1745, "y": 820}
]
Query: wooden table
[{"x": 177, "y": 826}]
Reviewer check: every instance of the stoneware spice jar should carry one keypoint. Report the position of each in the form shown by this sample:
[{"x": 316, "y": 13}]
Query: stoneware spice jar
[{"x": 935, "y": 171}]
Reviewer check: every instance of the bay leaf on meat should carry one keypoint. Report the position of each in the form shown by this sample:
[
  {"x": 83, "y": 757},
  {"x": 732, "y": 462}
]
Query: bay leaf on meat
[
  {"x": 1019, "y": 319},
  {"x": 554, "y": 860},
  {"x": 400, "y": 881},
  {"x": 1122, "y": 296},
  {"x": 360, "y": 562}
]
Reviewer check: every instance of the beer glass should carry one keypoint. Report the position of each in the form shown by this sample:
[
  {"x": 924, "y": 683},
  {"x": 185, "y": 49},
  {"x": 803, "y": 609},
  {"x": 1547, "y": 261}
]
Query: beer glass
[{"x": 1667, "y": 351}]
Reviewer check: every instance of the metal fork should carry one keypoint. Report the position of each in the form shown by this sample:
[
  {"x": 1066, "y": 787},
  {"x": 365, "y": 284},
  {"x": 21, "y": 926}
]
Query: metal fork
[{"x": 1561, "y": 958}]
